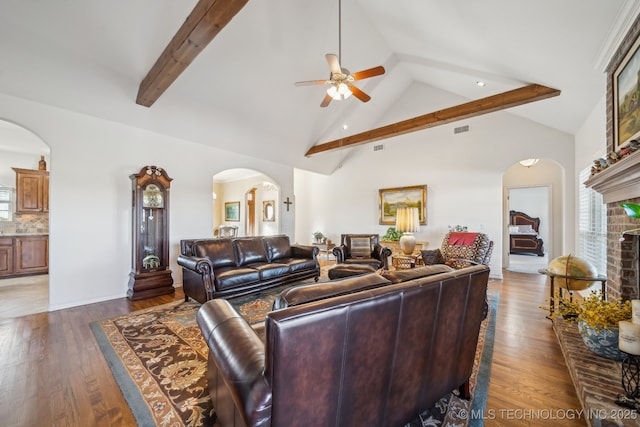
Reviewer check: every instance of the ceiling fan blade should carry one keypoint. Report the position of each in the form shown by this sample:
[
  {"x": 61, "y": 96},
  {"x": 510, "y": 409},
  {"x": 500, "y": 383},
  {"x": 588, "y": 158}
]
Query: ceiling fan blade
[
  {"x": 371, "y": 72},
  {"x": 327, "y": 99},
  {"x": 359, "y": 94},
  {"x": 334, "y": 64},
  {"x": 311, "y": 82}
]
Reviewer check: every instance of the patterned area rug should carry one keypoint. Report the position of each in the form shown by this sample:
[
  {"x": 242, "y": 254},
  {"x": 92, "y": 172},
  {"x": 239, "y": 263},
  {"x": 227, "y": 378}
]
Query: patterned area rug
[{"x": 159, "y": 359}]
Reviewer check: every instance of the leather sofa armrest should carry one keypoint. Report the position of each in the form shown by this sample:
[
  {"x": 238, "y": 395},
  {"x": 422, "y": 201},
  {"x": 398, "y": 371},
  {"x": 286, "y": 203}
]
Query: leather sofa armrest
[
  {"x": 382, "y": 253},
  {"x": 340, "y": 253},
  {"x": 304, "y": 251},
  {"x": 203, "y": 267},
  {"x": 239, "y": 355}
]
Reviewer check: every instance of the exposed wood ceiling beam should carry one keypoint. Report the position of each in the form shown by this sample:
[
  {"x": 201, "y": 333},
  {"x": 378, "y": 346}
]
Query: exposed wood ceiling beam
[
  {"x": 501, "y": 101},
  {"x": 204, "y": 22}
]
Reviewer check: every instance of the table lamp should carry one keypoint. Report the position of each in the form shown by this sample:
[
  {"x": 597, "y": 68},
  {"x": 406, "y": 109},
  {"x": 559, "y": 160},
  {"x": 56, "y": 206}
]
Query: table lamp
[{"x": 407, "y": 222}]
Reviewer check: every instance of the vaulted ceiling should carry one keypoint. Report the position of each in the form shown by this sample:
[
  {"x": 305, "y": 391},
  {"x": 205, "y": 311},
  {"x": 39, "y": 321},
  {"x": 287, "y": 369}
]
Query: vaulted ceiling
[{"x": 238, "y": 93}]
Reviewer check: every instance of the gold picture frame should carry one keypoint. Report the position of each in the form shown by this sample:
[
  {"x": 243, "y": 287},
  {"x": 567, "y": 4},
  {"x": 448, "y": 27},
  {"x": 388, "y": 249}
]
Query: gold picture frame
[
  {"x": 626, "y": 98},
  {"x": 392, "y": 198},
  {"x": 232, "y": 211},
  {"x": 269, "y": 211}
]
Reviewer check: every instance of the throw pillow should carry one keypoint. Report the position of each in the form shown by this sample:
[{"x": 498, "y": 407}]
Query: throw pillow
[{"x": 361, "y": 247}]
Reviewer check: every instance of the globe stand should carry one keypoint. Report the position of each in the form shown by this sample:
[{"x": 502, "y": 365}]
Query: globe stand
[
  {"x": 630, "y": 382},
  {"x": 552, "y": 288}
]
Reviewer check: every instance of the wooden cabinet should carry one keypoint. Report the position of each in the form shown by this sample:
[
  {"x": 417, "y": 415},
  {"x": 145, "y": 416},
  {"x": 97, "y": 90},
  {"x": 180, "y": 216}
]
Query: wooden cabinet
[
  {"x": 24, "y": 255},
  {"x": 6, "y": 256},
  {"x": 31, "y": 254},
  {"x": 32, "y": 191}
]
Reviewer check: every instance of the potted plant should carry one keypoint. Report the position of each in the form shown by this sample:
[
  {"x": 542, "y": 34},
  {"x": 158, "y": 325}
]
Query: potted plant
[
  {"x": 392, "y": 235},
  {"x": 319, "y": 237},
  {"x": 597, "y": 321}
]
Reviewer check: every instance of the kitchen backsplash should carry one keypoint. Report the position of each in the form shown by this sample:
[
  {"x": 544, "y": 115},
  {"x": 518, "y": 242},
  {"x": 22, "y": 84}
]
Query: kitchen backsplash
[{"x": 26, "y": 224}]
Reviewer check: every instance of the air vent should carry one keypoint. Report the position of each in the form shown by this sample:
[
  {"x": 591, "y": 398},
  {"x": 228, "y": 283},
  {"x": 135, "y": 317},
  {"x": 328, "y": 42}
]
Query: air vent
[
  {"x": 379, "y": 147},
  {"x": 461, "y": 129}
]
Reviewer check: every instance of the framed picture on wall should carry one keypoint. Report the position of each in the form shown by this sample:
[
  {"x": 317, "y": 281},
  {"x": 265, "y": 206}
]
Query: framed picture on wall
[
  {"x": 626, "y": 98},
  {"x": 268, "y": 211},
  {"x": 232, "y": 211},
  {"x": 392, "y": 198}
]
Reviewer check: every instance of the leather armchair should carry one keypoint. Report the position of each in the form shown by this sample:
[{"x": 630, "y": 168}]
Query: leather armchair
[
  {"x": 461, "y": 249},
  {"x": 377, "y": 257}
]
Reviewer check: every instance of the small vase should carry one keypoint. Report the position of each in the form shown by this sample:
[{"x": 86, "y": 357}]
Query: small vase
[
  {"x": 42, "y": 164},
  {"x": 602, "y": 342}
]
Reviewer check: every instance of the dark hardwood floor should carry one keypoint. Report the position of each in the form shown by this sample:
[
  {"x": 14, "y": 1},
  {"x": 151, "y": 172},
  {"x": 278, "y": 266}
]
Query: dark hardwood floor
[{"x": 53, "y": 372}]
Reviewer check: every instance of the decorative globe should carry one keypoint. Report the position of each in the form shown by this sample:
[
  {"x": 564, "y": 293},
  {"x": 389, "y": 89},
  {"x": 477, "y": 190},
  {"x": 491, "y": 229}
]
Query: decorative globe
[{"x": 569, "y": 265}]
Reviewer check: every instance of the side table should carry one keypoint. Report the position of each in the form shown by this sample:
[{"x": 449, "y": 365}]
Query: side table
[
  {"x": 324, "y": 248},
  {"x": 552, "y": 290},
  {"x": 404, "y": 262}
]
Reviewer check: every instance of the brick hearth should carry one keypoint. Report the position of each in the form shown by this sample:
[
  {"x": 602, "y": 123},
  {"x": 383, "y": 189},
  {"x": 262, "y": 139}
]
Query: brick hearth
[{"x": 597, "y": 380}]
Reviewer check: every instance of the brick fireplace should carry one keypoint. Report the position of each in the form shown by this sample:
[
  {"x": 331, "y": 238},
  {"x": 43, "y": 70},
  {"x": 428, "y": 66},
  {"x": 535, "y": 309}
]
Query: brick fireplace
[{"x": 618, "y": 183}]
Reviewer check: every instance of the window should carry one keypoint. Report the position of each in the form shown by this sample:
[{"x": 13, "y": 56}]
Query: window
[
  {"x": 592, "y": 227},
  {"x": 6, "y": 203}
]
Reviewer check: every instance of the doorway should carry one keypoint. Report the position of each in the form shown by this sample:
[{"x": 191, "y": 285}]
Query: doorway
[
  {"x": 535, "y": 202},
  {"x": 22, "y": 149},
  {"x": 256, "y": 194}
]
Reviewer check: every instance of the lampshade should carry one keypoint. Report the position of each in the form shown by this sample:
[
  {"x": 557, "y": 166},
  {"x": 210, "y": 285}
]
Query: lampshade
[
  {"x": 339, "y": 91},
  {"x": 529, "y": 162},
  {"x": 407, "y": 222}
]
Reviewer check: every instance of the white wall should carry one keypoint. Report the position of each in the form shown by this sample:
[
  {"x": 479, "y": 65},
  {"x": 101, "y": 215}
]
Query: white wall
[
  {"x": 463, "y": 173},
  {"x": 90, "y": 195}
]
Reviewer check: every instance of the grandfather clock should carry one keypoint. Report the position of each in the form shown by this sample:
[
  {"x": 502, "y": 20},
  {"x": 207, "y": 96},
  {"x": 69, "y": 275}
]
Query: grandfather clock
[{"x": 150, "y": 274}]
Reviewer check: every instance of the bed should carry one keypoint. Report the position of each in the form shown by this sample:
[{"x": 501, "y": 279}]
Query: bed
[{"x": 523, "y": 234}]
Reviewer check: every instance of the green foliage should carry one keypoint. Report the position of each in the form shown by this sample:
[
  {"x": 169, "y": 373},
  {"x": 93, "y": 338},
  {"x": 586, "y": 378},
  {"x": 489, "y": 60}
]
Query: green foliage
[
  {"x": 631, "y": 209},
  {"x": 458, "y": 228},
  {"x": 318, "y": 236},
  {"x": 392, "y": 235},
  {"x": 595, "y": 312}
]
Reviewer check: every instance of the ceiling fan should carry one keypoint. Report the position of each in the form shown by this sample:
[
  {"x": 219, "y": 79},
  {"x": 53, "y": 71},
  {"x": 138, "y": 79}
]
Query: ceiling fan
[{"x": 340, "y": 79}]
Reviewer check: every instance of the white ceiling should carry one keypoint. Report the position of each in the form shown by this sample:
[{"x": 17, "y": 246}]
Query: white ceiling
[{"x": 90, "y": 56}]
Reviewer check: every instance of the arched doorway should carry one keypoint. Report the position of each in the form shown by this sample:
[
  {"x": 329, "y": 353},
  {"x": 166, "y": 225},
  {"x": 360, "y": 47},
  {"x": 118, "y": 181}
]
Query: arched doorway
[
  {"x": 246, "y": 199},
  {"x": 22, "y": 291}
]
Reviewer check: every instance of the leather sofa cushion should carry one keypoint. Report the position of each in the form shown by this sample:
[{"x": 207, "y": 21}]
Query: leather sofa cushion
[
  {"x": 375, "y": 263},
  {"x": 361, "y": 247},
  {"x": 299, "y": 264},
  {"x": 250, "y": 251},
  {"x": 398, "y": 276},
  {"x": 297, "y": 295},
  {"x": 218, "y": 251},
  {"x": 227, "y": 278},
  {"x": 270, "y": 270},
  {"x": 278, "y": 247}
]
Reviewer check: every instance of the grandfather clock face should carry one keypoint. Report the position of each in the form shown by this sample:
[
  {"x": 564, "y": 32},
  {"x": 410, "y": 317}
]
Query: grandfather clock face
[{"x": 152, "y": 197}]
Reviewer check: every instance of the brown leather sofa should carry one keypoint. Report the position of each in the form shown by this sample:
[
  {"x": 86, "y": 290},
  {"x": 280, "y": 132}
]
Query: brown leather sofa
[
  {"x": 364, "y": 351},
  {"x": 213, "y": 268}
]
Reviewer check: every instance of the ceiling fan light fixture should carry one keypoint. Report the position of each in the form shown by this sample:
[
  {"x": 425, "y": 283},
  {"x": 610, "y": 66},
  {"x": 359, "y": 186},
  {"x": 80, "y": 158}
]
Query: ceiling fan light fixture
[{"x": 339, "y": 91}]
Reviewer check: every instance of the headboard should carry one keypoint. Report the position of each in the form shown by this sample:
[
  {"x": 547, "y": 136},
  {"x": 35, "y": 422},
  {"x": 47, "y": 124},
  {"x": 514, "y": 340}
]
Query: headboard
[{"x": 521, "y": 218}]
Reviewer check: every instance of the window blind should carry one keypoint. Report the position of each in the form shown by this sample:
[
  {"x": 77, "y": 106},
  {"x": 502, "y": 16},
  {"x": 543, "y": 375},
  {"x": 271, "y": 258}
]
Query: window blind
[
  {"x": 592, "y": 228},
  {"x": 5, "y": 203}
]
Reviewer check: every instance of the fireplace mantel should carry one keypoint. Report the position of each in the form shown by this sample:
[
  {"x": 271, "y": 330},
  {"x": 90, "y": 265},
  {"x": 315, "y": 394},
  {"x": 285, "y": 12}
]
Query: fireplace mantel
[{"x": 620, "y": 181}]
